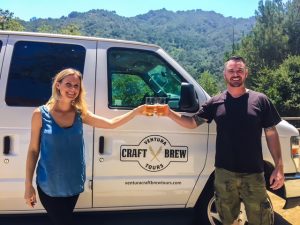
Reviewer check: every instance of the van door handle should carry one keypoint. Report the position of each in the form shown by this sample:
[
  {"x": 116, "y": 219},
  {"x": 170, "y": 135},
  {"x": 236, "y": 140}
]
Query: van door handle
[
  {"x": 7, "y": 145},
  {"x": 101, "y": 144}
]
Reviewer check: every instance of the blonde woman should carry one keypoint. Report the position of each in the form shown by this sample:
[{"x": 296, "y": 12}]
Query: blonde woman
[{"x": 57, "y": 134}]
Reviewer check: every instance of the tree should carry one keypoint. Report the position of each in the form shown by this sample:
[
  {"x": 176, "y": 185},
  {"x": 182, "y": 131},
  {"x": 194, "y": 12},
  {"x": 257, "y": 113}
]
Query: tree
[
  {"x": 282, "y": 86},
  {"x": 5, "y": 17},
  {"x": 271, "y": 49},
  {"x": 71, "y": 29},
  {"x": 14, "y": 25},
  {"x": 209, "y": 83},
  {"x": 45, "y": 28},
  {"x": 7, "y": 22},
  {"x": 292, "y": 26},
  {"x": 267, "y": 44},
  {"x": 269, "y": 35}
]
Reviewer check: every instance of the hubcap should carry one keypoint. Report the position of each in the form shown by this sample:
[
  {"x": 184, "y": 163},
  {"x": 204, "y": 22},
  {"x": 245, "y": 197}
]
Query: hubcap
[{"x": 215, "y": 219}]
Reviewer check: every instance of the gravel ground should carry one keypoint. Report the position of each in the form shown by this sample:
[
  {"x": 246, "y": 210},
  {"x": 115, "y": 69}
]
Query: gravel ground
[{"x": 290, "y": 215}]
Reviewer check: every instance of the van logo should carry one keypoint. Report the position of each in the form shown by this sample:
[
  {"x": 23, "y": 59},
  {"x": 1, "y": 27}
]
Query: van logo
[{"x": 154, "y": 153}]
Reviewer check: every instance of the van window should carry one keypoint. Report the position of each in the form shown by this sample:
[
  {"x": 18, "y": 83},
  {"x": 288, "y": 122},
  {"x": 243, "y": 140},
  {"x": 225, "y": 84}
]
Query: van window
[
  {"x": 33, "y": 65},
  {"x": 135, "y": 74}
]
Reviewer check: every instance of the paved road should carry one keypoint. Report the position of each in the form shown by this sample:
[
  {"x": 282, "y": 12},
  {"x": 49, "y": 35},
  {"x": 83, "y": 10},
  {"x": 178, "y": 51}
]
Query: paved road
[{"x": 174, "y": 217}]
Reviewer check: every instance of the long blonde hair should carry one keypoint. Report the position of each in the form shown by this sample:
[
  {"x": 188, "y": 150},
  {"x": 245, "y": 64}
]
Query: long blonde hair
[{"x": 79, "y": 103}]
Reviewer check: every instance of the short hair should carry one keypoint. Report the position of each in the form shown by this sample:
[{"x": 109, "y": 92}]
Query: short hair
[{"x": 235, "y": 58}]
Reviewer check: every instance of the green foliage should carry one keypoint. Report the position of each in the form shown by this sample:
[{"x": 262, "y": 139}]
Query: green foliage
[
  {"x": 209, "y": 83},
  {"x": 44, "y": 28},
  {"x": 269, "y": 35},
  {"x": 5, "y": 17},
  {"x": 71, "y": 29},
  {"x": 271, "y": 51},
  {"x": 275, "y": 35},
  {"x": 266, "y": 45},
  {"x": 7, "y": 22},
  {"x": 282, "y": 86},
  {"x": 134, "y": 88},
  {"x": 292, "y": 26},
  {"x": 14, "y": 25}
]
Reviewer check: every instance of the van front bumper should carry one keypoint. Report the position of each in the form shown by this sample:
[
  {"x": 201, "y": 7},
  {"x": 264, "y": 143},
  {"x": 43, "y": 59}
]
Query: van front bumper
[{"x": 292, "y": 190}]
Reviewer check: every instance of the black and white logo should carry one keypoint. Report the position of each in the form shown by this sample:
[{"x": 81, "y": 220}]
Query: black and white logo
[{"x": 154, "y": 153}]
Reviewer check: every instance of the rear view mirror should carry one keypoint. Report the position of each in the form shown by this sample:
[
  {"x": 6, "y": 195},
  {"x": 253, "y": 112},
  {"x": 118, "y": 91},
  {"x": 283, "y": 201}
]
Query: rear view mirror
[{"x": 188, "y": 99}]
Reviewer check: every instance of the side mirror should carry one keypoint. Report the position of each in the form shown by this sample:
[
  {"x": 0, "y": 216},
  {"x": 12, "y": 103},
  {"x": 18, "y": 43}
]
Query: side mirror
[{"x": 188, "y": 100}]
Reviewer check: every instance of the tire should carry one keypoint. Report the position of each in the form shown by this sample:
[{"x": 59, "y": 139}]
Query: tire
[
  {"x": 206, "y": 212},
  {"x": 214, "y": 217}
]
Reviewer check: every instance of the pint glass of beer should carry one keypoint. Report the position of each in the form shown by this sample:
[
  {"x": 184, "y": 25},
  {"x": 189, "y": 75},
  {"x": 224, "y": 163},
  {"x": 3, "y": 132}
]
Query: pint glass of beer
[
  {"x": 150, "y": 106},
  {"x": 296, "y": 151},
  {"x": 161, "y": 106}
]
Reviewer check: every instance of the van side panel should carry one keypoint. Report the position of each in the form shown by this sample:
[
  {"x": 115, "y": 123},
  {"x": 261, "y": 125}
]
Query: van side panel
[
  {"x": 149, "y": 161},
  {"x": 29, "y": 64},
  {"x": 3, "y": 43}
]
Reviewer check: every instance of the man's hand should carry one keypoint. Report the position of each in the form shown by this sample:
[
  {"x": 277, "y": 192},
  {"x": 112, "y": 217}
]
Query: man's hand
[{"x": 277, "y": 178}]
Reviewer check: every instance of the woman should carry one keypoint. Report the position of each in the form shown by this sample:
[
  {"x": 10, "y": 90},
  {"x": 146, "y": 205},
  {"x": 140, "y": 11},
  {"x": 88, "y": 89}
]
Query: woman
[{"x": 57, "y": 136}]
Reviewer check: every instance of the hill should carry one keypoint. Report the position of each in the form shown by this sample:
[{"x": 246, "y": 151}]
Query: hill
[{"x": 196, "y": 39}]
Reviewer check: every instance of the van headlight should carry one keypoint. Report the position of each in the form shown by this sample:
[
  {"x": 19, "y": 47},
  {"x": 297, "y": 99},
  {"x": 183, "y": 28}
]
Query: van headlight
[{"x": 295, "y": 150}]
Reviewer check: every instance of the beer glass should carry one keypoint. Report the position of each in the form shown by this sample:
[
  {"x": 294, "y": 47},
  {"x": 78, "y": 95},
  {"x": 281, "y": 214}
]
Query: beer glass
[
  {"x": 150, "y": 106},
  {"x": 296, "y": 151},
  {"x": 161, "y": 106}
]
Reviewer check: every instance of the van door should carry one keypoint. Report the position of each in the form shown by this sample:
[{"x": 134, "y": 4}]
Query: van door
[
  {"x": 150, "y": 161},
  {"x": 3, "y": 42},
  {"x": 29, "y": 65}
]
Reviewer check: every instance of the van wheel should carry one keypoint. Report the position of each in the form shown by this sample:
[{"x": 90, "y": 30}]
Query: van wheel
[
  {"x": 214, "y": 217},
  {"x": 206, "y": 212}
]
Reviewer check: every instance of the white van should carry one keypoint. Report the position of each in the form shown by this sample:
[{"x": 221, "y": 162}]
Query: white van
[{"x": 148, "y": 163}]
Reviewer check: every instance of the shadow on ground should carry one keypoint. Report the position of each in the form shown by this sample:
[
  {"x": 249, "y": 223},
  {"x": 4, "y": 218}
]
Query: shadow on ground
[{"x": 174, "y": 217}]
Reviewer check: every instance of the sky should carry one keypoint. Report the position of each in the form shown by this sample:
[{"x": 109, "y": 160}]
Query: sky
[{"x": 26, "y": 9}]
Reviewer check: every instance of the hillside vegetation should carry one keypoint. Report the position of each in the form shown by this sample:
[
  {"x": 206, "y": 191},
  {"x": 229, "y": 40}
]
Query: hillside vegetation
[{"x": 197, "y": 39}]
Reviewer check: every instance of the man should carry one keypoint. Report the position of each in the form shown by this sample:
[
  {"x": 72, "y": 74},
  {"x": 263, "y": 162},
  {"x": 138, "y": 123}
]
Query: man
[{"x": 240, "y": 115}]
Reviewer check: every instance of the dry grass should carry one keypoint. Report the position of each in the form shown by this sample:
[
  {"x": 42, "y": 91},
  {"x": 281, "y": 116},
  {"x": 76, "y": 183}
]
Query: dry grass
[{"x": 290, "y": 215}]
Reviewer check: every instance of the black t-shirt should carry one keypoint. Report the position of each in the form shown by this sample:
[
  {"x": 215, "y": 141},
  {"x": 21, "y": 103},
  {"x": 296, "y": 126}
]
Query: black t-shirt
[{"x": 239, "y": 129}]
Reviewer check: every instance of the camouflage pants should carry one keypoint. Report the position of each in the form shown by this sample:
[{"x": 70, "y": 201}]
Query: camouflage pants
[{"x": 231, "y": 188}]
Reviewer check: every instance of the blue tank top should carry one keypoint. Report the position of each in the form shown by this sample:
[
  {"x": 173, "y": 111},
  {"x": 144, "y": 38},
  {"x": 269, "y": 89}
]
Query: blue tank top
[{"x": 61, "y": 166}]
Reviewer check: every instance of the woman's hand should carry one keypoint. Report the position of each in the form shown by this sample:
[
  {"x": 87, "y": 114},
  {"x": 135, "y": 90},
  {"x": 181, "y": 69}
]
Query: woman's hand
[
  {"x": 140, "y": 110},
  {"x": 30, "y": 196}
]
